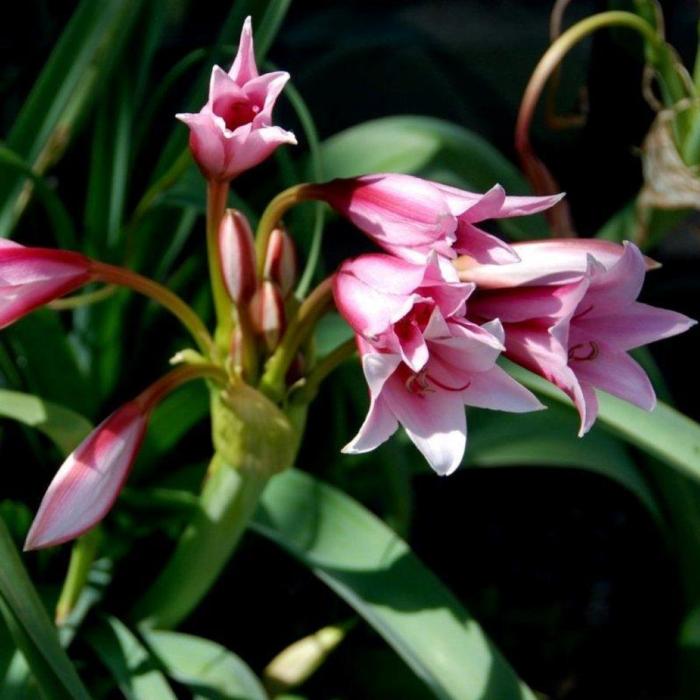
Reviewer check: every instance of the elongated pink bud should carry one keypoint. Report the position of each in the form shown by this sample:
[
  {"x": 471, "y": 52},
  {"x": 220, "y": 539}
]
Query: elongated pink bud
[
  {"x": 32, "y": 277},
  {"x": 281, "y": 261},
  {"x": 237, "y": 256},
  {"x": 267, "y": 313},
  {"x": 89, "y": 481}
]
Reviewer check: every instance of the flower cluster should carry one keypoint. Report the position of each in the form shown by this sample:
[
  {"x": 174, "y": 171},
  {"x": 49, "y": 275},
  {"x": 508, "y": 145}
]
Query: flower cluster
[
  {"x": 432, "y": 318},
  {"x": 431, "y": 314}
]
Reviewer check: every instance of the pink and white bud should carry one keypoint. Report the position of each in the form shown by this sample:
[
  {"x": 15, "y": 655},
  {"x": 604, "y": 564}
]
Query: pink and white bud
[
  {"x": 233, "y": 132},
  {"x": 281, "y": 261},
  {"x": 32, "y": 277},
  {"x": 267, "y": 313},
  {"x": 89, "y": 481},
  {"x": 237, "y": 256},
  {"x": 552, "y": 261}
]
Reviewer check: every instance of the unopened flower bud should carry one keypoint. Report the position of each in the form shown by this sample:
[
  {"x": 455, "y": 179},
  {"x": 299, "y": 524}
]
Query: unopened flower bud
[
  {"x": 267, "y": 313},
  {"x": 281, "y": 261},
  {"x": 237, "y": 256}
]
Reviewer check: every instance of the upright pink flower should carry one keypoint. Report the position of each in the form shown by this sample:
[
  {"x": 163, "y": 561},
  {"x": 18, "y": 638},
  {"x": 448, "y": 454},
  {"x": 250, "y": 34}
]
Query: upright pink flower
[
  {"x": 577, "y": 334},
  {"x": 411, "y": 217},
  {"x": 32, "y": 277},
  {"x": 237, "y": 256},
  {"x": 89, "y": 481},
  {"x": 233, "y": 132},
  {"x": 423, "y": 360}
]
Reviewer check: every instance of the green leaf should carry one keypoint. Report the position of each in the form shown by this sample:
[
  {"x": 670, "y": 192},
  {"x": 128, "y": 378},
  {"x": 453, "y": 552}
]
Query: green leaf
[
  {"x": 61, "y": 222},
  {"x": 376, "y": 573},
  {"x": 38, "y": 337},
  {"x": 77, "y": 67},
  {"x": 430, "y": 147},
  {"x": 664, "y": 432},
  {"x": 65, "y": 427},
  {"x": 32, "y": 629},
  {"x": 209, "y": 670},
  {"x": 549, "y": 439},
  {"x": 131, "y": 664}
]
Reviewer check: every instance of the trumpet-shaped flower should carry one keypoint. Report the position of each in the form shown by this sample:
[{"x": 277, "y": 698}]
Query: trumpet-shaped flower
[
  {"x": 423, "y": 360},
  {"x": 89, "y": 481},
  {"x": 32, "y": 277},
  {"x": 460, "y": 370},
  {"x": 410, "y": 217},
  {"x": 233, "y": 132},
  {"x": 577, "y": 335}
]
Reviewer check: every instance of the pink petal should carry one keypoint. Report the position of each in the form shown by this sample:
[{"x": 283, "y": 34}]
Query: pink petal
[
  {"x": 486, "y": 207},
  {"x": 406, "y": 215},
  {"x": 435, "y": 422},
  {"x": 555, "y": 261},
  {"x": 32, "y": 277},
  {"x": 379, "y": 425},
  {"x": 617, "y": 286},
  {"x": 617, "y": 373},
  {"x": 386, "y": 273},
  {"x": 636, "y": 325},
  {"x": 524, "y": 206},
  {"x": 497, "y": 390},
  {"x": 87, "y": 484},
  {"x": 368, "y": 311},
  {"x": 244, "y": 67},
  {"x": 248, "y": 147},
  {"x": 484, "y": 248},
  {"x": 206, "y": 143}
]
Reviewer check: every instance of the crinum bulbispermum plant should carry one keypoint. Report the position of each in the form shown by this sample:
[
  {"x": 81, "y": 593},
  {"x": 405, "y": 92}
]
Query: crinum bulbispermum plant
[{"x": 431, "y": 312}]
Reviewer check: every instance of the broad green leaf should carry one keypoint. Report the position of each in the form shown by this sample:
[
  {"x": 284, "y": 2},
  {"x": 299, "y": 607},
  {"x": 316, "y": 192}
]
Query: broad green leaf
[
  {"x": 664, "y": 432},
  {"x": 376, "y": 573},
  {"x": 76, "y": 69},
  {"x": 131, "y": 664},
  {"x": 432, "y": 148},
  {"x": 209, "y": 670},
  {"x": 65, "y": 427},
  {"x": 549, "y": 439},
  {"x": 33, "y": 630}
]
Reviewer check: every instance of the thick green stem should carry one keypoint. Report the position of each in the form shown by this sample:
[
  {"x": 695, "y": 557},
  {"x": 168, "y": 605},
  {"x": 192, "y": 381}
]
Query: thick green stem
[
  {"x": 217, "y": 196},
  {"x": 227, "y": 502},
  {"x": 112, "y": 274}
]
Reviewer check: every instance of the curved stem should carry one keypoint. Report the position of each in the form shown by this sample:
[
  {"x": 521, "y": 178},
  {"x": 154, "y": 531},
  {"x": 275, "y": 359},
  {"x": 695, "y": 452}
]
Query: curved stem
[
  {"x": 309, "y": 387},
  {"x": 78, "y": 300},
  {"x": 112, "y": 274},
  {"x": 312, "y": 308},
  {"x": 155, "y": 393},
  {"x": 272, "y": 215},
  {"x": 217, "y": 196},
  {"x": 536, "y": 171}
]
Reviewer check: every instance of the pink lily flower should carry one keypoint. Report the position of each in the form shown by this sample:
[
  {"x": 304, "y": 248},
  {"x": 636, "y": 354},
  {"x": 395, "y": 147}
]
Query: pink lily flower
[
  {"x": 460, "y": 371},
  {"x": 237, "y": 256},
  {"x": 410, "y": 217},
  {"x": 233, "y": 132},
  {"x": 577, "y": 334},
  {"x": 422, "y": 359},
  {"x": 32, "y": 277},
  {"x": 89, "y": 481}
]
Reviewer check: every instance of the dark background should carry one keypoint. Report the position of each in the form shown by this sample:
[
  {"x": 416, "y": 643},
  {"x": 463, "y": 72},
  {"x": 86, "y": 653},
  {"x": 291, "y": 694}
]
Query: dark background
[{"x": 565, "y": 570}]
